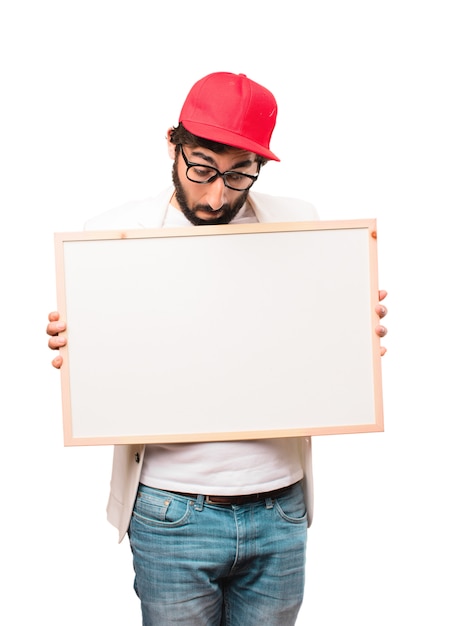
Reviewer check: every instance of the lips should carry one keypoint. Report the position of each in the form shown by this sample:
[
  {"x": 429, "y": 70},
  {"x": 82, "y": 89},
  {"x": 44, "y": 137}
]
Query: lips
[{"x": 209, "y": 211}]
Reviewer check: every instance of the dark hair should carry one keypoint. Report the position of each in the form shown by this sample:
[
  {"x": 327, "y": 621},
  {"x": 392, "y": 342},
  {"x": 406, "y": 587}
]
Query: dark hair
[{"x": 180, "y": 136}]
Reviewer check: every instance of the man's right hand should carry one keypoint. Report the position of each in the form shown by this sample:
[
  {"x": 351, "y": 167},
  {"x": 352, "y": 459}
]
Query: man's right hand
[{"x": 54, "y": 327}]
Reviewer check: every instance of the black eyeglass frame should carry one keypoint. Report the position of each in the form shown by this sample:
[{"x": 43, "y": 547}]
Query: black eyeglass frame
[{"x": 218, "y": 173}]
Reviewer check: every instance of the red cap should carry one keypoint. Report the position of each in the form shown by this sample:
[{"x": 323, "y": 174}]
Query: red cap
[{"x": 231, "y": 109}]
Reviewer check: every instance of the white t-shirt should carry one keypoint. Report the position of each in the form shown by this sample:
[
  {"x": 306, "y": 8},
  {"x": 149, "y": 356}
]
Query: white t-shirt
[{"x": 221, "y": 467}]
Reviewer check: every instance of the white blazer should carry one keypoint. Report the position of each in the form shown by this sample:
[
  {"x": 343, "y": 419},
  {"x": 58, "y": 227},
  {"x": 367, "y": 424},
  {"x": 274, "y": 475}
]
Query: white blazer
[{"x": 150, "y": 213}]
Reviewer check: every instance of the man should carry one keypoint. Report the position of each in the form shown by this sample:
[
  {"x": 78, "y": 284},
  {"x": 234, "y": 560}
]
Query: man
[{"x": 217, "y": 529}]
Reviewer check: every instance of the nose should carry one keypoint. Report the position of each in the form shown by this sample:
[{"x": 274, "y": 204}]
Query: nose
[{"x": 215, "y": 195}]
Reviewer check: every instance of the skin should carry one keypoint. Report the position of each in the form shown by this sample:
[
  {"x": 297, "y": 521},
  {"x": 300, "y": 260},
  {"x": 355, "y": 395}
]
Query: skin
[{"x": 207, "y": 203}]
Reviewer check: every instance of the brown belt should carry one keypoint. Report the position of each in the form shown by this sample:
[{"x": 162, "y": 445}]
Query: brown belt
[{"x": 245, "y": 499}]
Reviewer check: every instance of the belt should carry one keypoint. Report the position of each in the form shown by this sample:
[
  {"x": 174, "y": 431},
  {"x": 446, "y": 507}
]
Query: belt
[{"x": 245, "y": 499}]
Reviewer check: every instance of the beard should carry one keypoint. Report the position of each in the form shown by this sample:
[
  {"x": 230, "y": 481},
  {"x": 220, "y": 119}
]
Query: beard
[{"x": 224, "y": 215}]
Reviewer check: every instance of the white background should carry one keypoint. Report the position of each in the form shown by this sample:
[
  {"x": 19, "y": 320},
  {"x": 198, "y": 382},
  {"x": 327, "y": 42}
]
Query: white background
[{"x": 88, "y": 90}]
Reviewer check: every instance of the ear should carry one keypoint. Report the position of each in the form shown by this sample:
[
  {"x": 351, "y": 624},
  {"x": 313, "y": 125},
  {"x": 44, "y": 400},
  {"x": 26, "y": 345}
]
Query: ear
[{"x": 170, "y": 146}]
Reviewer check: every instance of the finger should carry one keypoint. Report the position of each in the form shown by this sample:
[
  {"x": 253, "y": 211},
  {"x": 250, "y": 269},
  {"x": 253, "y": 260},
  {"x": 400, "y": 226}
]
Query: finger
[
  {"x": 381, "y": 310},
  {"x": 381, "y": 331},
  {"x": 383, "y": 350},
  {"x": 53, "y": 328},
  {"x": 54, "y": 316},
  {"x": 57, "y": 362},
  {"x": 382, "y": 294},
  {"x": 57, "y": 342}
]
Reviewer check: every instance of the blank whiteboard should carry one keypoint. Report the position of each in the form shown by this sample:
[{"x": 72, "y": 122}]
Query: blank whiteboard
[{"x": 219, "y": 332}]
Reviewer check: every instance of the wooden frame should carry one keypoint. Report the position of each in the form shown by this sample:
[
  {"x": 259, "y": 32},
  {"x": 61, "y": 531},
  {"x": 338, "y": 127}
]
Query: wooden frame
[{"x": 220, "y": 332}]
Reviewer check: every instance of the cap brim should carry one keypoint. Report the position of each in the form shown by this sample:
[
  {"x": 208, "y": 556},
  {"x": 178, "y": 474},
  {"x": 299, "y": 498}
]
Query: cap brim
[{"x": 228, "y": 138}]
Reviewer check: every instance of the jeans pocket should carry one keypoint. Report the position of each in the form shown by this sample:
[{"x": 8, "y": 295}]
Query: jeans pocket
[
  {"x": 161, "y": 509},
  {"x": 291, "y": 507}
]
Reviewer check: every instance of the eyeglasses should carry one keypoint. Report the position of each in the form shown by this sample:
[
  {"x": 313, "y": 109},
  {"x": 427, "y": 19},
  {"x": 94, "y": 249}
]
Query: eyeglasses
[{"x": 203, "y": 174}]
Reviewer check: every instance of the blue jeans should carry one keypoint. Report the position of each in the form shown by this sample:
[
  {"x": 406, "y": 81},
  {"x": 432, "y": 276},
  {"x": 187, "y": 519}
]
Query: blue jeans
[{"x": 202, "y": 564}]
